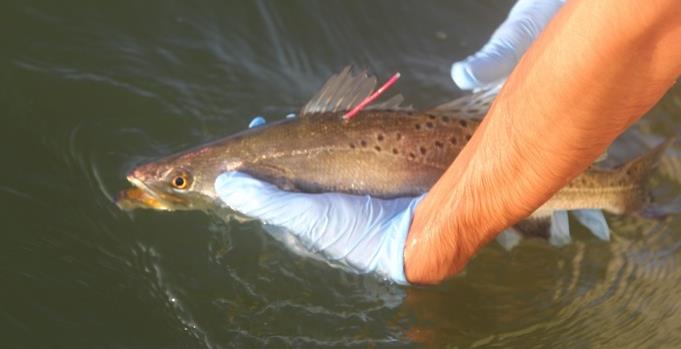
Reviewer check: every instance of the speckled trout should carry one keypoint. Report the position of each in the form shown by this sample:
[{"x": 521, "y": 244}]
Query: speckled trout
[{"x": 386, "y": 151}]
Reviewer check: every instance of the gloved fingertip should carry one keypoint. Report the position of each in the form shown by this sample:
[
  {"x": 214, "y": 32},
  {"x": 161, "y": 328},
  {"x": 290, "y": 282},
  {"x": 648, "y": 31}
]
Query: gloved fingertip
[
  {"x": 594, "y": 220},
  {"x": 559, "y": 231},
  {"x": 463, "y": 77},
  {"x": 483, "y": 70},
  {"x": 257, "y": 121}
]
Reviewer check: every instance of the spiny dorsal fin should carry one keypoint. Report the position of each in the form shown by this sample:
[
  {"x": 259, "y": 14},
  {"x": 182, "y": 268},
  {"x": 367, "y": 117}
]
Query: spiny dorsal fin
[
  {"x": 473, "y": 106},
  {"x": 343, "y": 91}
]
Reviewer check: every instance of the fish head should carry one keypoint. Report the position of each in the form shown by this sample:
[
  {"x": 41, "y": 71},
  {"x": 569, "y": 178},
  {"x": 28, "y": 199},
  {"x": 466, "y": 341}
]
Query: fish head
[{"x": 181, "y": 182}]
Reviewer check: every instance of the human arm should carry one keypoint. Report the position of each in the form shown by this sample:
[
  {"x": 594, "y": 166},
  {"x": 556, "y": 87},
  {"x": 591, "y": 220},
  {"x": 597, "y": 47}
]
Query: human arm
[{"x": 596, "y": 69}]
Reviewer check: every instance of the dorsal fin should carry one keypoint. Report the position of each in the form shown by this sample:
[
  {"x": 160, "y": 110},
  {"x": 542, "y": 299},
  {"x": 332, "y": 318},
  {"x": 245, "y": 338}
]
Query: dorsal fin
[
  {"x": 343, "y": 91},
  {"x": 472, "y": 106},
  {"x": 394, "y": 103}
]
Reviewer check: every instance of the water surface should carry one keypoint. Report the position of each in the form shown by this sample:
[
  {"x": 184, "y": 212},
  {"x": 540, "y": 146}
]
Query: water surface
[{"x": 89, "y": 90}]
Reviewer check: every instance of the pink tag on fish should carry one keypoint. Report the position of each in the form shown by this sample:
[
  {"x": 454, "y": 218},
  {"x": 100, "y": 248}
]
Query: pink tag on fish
[{"x": 352, "y": 113}]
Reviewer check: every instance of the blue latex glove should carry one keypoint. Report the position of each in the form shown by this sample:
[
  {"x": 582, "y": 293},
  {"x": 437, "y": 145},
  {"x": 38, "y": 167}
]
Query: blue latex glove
[
  {"x": 362, "y": 233},
  {"x": 499, "y": 56}
]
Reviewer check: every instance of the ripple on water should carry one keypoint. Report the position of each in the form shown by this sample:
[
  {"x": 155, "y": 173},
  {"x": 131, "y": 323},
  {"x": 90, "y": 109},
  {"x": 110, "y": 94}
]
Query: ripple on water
[{"x": 143, "y": 86}]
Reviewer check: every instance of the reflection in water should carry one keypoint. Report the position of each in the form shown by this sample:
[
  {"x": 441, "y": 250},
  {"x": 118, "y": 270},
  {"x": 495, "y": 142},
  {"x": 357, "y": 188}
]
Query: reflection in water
[
  {"x": 97, "y": 89},
  {"x": 595, "y": 294}
]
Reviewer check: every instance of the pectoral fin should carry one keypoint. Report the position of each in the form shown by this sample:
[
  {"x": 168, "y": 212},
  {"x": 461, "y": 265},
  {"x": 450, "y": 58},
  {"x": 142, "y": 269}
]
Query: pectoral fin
[{"x": 270, "y": 173}]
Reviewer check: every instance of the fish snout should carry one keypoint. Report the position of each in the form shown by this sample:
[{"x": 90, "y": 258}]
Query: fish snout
[{"x": 141, "y": 180}]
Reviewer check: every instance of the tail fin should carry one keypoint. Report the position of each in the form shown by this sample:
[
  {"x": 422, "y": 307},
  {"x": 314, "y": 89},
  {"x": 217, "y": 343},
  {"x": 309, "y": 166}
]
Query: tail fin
[
  {"x": 637, "y": 172},
  {"x": 643, "y": 164}
]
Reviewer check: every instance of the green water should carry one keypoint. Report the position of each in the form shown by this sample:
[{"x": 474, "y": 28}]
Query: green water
[{"x": 88, "y": 90}]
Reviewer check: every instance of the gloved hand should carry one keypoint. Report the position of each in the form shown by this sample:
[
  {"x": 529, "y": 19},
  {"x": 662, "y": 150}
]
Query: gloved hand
[
  {"x": 360, "y": 232},
  {"x": 495, "y": 61}
]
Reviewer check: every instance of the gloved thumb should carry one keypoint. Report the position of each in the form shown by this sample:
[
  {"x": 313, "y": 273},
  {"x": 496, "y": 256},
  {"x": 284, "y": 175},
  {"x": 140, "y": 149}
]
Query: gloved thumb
[
  {"x": 256, "y": 198},
  {"x": 297, "y": 212},
  {"x": 509, "y": 42}
]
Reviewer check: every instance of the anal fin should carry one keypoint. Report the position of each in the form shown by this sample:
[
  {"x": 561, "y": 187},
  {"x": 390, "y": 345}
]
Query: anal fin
[{"x": 271, "y": 174}]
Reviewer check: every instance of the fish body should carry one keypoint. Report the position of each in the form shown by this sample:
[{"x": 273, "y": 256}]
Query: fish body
[
  {"x": 388, "y": 151},
  {"x": 380, "y": 153}
]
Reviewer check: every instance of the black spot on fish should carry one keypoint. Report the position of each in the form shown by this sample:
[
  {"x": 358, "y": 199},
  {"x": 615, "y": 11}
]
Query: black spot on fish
[
  {"x": 422, "y": 150},
  {"x": 352, "y": 145},
  {"x": 473, "y": 111},
  {"x": 417, "y": 126},
  {"x": 429, "y": 124},
  {"x": 395, "y": 151},
  {"x": 468, "y": 138},
  {"x": 363, "y": 143},
  {"x": 438, "y": 144},
  {"x": 445, "y": 119},
  {"x": 453, "y": 140},
  {"x": 463, "y": 123},
  {"x": 377, "y": 148},
  {"x": 412, "y": 156},
  {"x": 379, "y": 137},
  {"x": 398, "y": 136},
  {"x": 431, "y": 116}
]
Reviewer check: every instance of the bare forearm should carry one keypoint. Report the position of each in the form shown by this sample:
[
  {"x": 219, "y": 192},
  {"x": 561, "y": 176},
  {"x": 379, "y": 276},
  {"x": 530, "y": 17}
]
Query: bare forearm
[{"x": 596, "y": 69}]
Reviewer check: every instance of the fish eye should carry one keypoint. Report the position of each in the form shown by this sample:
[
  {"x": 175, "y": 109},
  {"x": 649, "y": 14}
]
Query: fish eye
[{"x": 180, "y": 181}]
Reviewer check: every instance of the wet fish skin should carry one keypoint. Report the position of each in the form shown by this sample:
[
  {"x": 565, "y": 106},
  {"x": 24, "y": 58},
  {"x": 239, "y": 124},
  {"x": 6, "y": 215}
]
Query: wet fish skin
[
  {"x": 619, "y": 190},
  {"x": 381, "y": 153}
]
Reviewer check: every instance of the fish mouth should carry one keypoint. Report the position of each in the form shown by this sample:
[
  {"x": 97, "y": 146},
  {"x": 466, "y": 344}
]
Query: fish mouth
[
  {"x": 142, "y": 196},
  {"x": 140, "y": 185}
]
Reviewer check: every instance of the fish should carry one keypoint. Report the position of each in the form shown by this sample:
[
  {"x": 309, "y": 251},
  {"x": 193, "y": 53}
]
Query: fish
[{"x": 388, "y": 150}]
